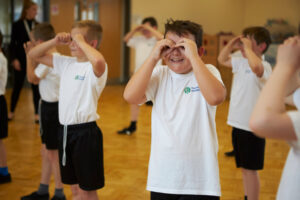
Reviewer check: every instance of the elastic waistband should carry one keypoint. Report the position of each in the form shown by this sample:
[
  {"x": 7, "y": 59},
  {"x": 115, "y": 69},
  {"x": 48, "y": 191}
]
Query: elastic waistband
[
  {"x": 82, "y": 125},
  {"x": 49, "y": 103}
]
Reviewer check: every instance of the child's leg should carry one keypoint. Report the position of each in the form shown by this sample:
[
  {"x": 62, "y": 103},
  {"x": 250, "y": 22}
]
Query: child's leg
[
  {"x": 3, "y": 159},
  {"x": 4, "y": 174},
  {"x": 46, "y": 166},
  {"x": 53, "y": 157},
  {"x": 43, "y": 190},
  {"x": 88, "y": 195},
  {"x": 134, "y": 112},
  {"x": 251, "y": 184}
]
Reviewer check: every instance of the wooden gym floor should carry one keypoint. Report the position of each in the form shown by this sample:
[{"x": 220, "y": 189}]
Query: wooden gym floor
[{"x": 125, "y": 157}]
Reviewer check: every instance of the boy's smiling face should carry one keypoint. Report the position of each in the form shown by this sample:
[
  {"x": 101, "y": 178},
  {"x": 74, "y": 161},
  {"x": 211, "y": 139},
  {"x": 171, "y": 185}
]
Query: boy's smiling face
[{"x": 175, "y": 57}]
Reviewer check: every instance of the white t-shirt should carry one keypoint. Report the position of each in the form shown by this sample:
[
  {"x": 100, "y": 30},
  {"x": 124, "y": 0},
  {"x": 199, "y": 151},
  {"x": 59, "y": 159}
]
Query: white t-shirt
[
  {"x": 3, "y": 73},
  {"x": 49, "y": 83},
  {"x": 246, "y": 87},
  {"x": 289, "y": 187},
  {"x": 79, "y": 90},
  {"x": 143, "y": 47},
  {"x": 184, "y": 144}
]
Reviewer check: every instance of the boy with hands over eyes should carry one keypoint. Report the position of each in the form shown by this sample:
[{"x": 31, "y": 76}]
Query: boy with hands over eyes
[{"x": 183, "y": 162}]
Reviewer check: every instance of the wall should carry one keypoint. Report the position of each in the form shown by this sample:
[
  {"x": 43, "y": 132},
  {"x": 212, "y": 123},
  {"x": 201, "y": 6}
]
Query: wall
[
  {"x": 218, "y": 15},
  {"x": 110, "y": 14},
  {"x": 213, "y": 15},
  {"x": 256, "y": 12}
]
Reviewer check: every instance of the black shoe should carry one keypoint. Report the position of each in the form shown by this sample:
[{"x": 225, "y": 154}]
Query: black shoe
[
  {"x": 127, "y": 131},
  {"x": 5, "y": 178},
  {"x": 58, "y": 198},
  {"x": 149, "y": 103},
  {"x": 229, "y": 153},
  {"x": 36, "y": 196}
]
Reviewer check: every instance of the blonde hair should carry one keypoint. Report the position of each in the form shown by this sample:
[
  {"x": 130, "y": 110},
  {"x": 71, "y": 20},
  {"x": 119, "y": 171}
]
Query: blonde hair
[
  {"x": 94, "y": 31},
  {"x": 26, "y": 5}
]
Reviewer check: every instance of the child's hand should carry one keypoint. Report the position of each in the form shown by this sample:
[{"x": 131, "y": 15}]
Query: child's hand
[
  {"x": 63, "y": 38},
  {"x": 28, "y": 46},
  {"x": 78, "y": 38},
  {"x": 146, "y": 26},
  {"x": 235, "y": 42},
  {"x": 188, "y": 47},
  {"x": 246, "y": 42},
  {"x": 162, "y": 48},
  {"x": 288, "y": 54},
  {"x": 139, "y": 28}
]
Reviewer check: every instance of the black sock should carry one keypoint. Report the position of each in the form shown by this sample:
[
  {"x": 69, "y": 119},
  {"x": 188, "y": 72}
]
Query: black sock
[
  {"x": 132, "y": 126},
  {"x": 246, "y": 198}
]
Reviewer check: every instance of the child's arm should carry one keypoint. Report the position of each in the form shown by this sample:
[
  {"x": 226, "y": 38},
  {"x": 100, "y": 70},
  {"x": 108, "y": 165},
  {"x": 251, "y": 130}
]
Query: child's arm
[
  {"x": 269, "y": 118},
  {"x": 30, "y": 65},
  {"x": 92, "y": 54},
  {"x": 135, "y": 91},
  {"x": 254, "y": 61},
  {"x": 224, "y": 57},
  {"x": 130, "y": 34},
  {"x": 39, "y": 52},
  {"x": 154, "y": 32},
  {"x": 212, "y": 89}
]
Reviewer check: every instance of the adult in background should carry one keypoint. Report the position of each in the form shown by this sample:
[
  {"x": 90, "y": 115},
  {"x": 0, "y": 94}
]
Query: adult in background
[{"x": 21, "y": 34}]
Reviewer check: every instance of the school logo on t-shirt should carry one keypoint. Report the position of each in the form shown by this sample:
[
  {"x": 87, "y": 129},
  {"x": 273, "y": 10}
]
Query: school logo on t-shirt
[
  {"x": 78, "y": 77},
  {"x": 188, "y": 90}
]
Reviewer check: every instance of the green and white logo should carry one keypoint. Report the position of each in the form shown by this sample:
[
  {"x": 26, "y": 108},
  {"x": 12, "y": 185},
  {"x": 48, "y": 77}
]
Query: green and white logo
[{"x": 187, "y": 90}]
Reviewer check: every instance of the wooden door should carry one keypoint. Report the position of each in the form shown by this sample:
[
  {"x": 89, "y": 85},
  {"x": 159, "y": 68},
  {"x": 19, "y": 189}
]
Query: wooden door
[{"x": 110, "y": 14}]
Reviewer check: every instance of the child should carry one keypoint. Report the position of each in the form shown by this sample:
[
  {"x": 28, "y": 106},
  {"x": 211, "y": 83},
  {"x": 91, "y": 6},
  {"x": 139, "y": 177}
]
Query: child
[
  {"x": 269, "y": 118},
  {"x": 49, "y": 124},
  {"x": 143, "y": 45},
  {"x": 250, "y": 72},
  {"x": 183, "y": 162},
  {"x": 4, "y": 174},
  {"x": 82, "y": 79}
]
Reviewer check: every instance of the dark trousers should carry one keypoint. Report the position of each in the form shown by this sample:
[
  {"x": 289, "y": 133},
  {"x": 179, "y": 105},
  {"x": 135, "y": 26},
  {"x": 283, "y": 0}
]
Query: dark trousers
[{"x": 18, "y": 84}]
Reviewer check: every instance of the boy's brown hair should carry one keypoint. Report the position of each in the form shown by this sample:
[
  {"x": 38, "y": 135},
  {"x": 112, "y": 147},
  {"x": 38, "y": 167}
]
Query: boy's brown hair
[
  {"x": 182, "y": 27},
  {"x": 43, "y": 31},
  {"x": 260, "y": 35},
  {"x": 94, "y": 31}
]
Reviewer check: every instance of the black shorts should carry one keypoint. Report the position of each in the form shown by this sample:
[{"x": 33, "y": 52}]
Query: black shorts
[
  {"x": 84, "y": 156},
  {"x": 49, "y": 124},
  {"x": 249, "y": 149},
  {"x": 163, "y": 196},
  {"x": 3, "y": 118}
]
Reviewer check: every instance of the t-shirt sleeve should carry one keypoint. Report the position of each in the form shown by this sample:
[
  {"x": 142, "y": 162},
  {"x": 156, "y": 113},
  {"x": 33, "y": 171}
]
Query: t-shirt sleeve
[
  {"x": 41, "y": 71},
  {"x": 215, "y": 72},
  {"x": 267, "y": 73},
  {"x": 235, "y": 63},
  {"x": 99, "y": 81},
  {"x": 295, "y": 117},
  {"x": 296, "y": 98},
  {"x": 154, "y": 83},
  {"x": 132, "y": 42},
  {"x": 60, "y": 63},
  {"x": 267, "y": 70}
]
